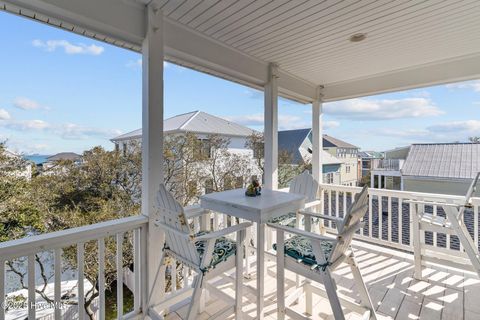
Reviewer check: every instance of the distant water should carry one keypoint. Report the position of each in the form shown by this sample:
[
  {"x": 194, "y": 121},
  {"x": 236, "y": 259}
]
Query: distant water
[{"x": 37, "y": 158}]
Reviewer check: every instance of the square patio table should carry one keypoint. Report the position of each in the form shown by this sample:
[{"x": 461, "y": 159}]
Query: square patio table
[{"x": 270, "y": 204}]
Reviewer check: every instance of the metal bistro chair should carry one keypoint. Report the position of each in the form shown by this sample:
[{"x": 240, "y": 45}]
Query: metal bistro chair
[
  {"x": 209, "y": 254},
  {"x": 315, "y": 257}
]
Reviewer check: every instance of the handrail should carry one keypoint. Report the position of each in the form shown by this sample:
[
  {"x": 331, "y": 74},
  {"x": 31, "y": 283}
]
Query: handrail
[{"x": 64, "y": 238}]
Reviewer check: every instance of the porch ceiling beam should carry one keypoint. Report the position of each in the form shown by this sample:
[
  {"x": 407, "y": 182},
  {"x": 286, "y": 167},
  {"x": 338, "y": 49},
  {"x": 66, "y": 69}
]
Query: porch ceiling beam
[
  {"x": 460, "y": 69},
  {"x": 124, "y": 22}
]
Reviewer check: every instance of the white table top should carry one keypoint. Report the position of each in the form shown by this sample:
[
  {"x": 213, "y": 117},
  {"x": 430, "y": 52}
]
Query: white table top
[{"x": 258, "y": 209}]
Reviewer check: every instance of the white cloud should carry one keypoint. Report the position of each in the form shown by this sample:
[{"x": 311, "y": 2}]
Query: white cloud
[
  {"x": 4, "y": 115},
  {"x": 68, "y": 131},
  {"x": 442, "y": 132},
  {"x": 467, "y": 126},
  {"x": 28, "y": 104},
  {"x": 68, "y": 48},
  {"x": 285, "y": 122},
  {"x": 387, "y": 109},
  {"x": 71, "y": 131},
  {"x": 24, "y": 125},
  {"x": 474, "y": 85}
]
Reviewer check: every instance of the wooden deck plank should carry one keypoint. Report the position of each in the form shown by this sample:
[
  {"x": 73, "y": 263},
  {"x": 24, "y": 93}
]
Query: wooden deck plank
[{"x": 444, "y": 294}]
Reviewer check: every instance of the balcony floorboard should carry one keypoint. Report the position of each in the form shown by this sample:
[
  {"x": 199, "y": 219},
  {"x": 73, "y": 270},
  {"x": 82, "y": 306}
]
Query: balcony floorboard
[{"x": 443, "y": 294}]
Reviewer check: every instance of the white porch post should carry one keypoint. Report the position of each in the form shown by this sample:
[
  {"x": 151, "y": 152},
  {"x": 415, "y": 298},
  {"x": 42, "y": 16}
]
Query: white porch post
[
  {"x": 372, "y": 180},
  {"x": 317, "y": 138},
  {"x": 152, "y": 147},
  {"x": 271, "y": 129},
  {"x": 379, "y": 181}
]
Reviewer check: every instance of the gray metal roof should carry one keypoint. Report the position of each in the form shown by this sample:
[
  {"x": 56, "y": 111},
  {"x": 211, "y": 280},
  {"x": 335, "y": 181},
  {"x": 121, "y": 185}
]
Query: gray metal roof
[
  {"x": 445, "y": 160},
  {"x": 329, "y": 141},
  {"x": 291, "y": 140},
  {"x": 196, "y": 122}
]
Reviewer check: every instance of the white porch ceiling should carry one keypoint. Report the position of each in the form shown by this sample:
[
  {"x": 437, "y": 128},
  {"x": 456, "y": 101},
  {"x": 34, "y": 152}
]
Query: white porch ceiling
[{"x": 410, "y": 43}]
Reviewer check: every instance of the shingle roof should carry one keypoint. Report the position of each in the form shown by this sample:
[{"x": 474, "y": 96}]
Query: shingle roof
[
  {"x": 196, "y": 122},
  {"x": 291, "y": 140},
  {"x": 329, "y": 141},
  {"x": 446, "y": 160},
  {"x": 65, "y": 156}
]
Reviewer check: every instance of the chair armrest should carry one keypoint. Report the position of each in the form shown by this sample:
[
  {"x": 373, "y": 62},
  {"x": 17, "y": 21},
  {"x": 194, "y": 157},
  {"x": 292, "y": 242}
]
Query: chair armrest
[
  {"x": 194, "y": 211},
  {"x": 223, "y": 232},
  {"x": 313, "y": 203},
  {"x": 310, "y": 235},
  {"x": 167, "y": 227},
  {"x": 321, "y": 216},
  {"x": 433, "y": 203}
]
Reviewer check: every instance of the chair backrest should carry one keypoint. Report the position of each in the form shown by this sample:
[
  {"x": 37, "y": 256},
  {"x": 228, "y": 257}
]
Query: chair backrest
[
  {"x": 172, "y": 214},
  {"x": 352, "y": 219},
  {"x": 305, "y": 185}
]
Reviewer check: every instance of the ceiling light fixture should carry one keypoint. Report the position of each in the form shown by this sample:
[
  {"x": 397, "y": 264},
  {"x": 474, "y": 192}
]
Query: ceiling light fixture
[{"x": 357, "y": 37}]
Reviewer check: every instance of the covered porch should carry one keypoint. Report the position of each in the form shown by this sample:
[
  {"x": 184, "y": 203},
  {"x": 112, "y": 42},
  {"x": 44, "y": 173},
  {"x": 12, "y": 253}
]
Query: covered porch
[{"x": 310, "y": 52}]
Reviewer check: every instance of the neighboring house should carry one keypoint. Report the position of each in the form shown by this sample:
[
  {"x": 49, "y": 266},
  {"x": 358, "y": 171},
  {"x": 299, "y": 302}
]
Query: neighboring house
[
  {"x": 202, "y": 125},
  {"x": 348, "y": 154},
  {"x": 386, "y": 172},
  {"x": 335, "y": 170},
  {"x": 367, "y": 160},
  {"x": 446, "y": 168}
]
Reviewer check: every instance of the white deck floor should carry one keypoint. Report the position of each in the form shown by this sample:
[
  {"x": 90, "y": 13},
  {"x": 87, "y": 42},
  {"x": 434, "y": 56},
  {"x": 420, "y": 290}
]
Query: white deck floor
[{"x": 444, "y": 294}]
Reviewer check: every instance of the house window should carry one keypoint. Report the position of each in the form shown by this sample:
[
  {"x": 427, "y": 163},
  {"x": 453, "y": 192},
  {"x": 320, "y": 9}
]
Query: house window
[
  {"x": 117, "y": 147},
  {"x": 124, "y": 149},
  {"x": 209, "y": 186},
  {"x": 347, "y": 169},
  {"x": 330, "y": 178}
]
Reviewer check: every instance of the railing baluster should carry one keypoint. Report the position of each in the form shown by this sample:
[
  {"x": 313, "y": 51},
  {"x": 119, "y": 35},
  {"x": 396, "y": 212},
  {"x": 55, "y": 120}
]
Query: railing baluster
[
  {"x": 174, "y": 275},
  {"x": 136, "y": 268},
  {"x": 337, "y": 200},
  {"x": 475, "y": 224},
  {"x": 101, "y": 277},
  {"x": 143, "y": 273},
  {"x": 81, "y": 291},
  {"x": 31, "y": 287},
  {"x": 58, "y": 283},
  {"x": 370, "y": 216},
  {"x": 329, "y": 206},
  {"x": 344, "y": 203},
  {"x": 2, "y": 289},
  {"x": 380, "y": 217},
  {"x": 434, "y": 237},
  {"x": 119, "y": 275},
  {"x": 400, "y": 220},
  {"x": 389, "y": 208}
]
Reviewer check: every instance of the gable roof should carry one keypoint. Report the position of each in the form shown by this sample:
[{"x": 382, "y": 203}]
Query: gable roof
[
  {"x": 64, "y": 156},
  {"x": 291, "y": 141},
  {"x": 329, "y": 141},
  {"x": 443, "y": 160},
  {"x": 196, "y": 122}
]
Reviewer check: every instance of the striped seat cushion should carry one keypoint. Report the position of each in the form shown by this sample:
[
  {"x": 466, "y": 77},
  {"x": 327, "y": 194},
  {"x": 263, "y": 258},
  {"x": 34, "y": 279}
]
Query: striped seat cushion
[
  {"x": 300, "y": 248},
  {"x": 224, "y": 248}
]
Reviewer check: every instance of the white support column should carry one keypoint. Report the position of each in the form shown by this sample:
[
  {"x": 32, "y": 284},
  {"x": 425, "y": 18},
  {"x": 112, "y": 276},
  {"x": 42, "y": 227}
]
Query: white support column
[
  {"x": 152, "y": 147},
  {"x": 372, "y": 180},
  {"x": 271, "y": 129},
  {"x": 379, "y": 181},
  {"x": 317, "y": 137}
]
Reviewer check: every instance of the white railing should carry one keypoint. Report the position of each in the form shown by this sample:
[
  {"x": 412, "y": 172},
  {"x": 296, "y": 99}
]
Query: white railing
[
  {"x": 131, "y": 228},
  {"x": 387, "y": 164},
  {"x": 389, "y": 221}
]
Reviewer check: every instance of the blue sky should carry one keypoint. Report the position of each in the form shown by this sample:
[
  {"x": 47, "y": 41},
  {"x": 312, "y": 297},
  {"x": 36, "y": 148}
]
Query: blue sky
[{"x": 63, "y": 92}]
